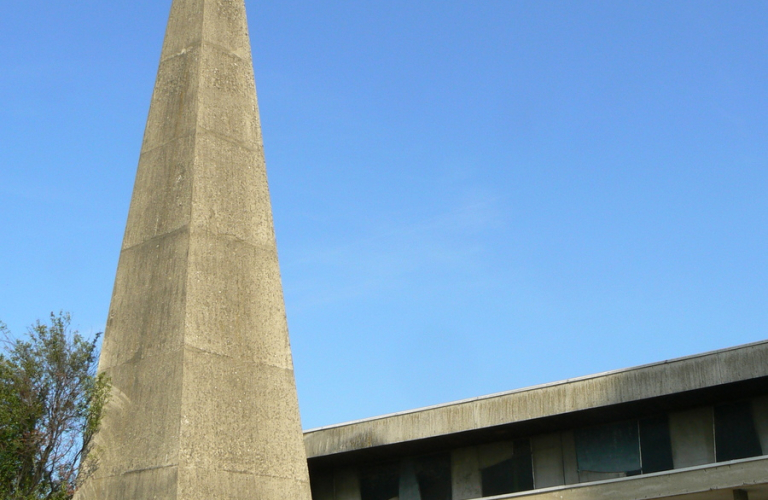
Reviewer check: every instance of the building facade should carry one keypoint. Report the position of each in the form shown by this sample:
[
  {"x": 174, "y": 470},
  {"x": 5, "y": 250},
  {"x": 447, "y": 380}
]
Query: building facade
[{"x": 694, "y": 428}]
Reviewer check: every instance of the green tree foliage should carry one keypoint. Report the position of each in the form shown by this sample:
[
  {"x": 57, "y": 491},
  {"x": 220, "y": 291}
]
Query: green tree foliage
[{"x": 51, "y": 404}]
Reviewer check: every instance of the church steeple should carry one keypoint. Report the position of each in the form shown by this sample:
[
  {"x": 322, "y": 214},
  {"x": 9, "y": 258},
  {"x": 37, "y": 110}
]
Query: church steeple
[{"x": 203, "y": 401}]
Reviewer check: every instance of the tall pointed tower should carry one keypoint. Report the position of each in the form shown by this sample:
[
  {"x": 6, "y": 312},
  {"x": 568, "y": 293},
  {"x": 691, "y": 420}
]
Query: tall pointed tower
[{"x": 203, "y": 401}]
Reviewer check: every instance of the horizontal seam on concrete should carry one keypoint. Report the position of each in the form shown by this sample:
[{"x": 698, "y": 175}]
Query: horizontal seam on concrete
[
  {"x": 137, "y": 471},
  {"x": 169, "y": 141},
  {"x": 199, "y": 44},
  {"x": 199, "y": 128},
  {"x": 233, "y": 237},
  {"x": 188, "y": 48},
  {"x": 262, "y": 247},
  {"x": 223, "y": 49},
  {"x": 157, "y": 467},
  {"x": 194, "y": 348},
  {"x": 228, "y": 139},
  {"x": 585, "y": 378},
  {"x": 193, "y": 230},
  {"x": 243, "y": 472},
  {"x": 201, "y": 231},
  {"x": 157, "y": 237}
]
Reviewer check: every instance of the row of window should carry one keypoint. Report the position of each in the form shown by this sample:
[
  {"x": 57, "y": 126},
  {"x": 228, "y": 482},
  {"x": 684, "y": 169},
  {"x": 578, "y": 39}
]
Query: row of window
[{"x": 611, "y": 450}]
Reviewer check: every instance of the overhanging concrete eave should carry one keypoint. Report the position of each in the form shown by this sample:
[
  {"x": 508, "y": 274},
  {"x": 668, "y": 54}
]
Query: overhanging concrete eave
[{"x": 735, "y": 372}]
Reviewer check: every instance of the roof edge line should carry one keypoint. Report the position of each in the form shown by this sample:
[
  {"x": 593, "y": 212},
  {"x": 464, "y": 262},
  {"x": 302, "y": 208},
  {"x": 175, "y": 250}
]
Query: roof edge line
[{"x": 538, "y": 386}]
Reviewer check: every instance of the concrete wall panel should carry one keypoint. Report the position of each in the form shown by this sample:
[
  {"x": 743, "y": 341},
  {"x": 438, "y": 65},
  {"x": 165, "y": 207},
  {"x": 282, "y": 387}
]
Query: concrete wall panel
[
  {"x": 162, "y": 193},
  {"x": 207, "y": 484},
  {"x": 547, "y": 460},
  {"x": 570, "y": 462},
  {"x": 465, "y": 474},
  {"x": 152, "y": 484},
  {"x": 322, "y": 486},
  {"x": 693, "y": 437},
  {"x": 239, "y": 416},
  {"x": 237, "y": 203},
  {"x": 173, "y": 110},
  {"x": 145, "y": 325},
  {"x": 347, "y": 484},
  {"x": 409, "y": 484},
  {"x": 223, "y": 316},
  {"x": 229, "y": 94},
  {"x": 150, "y": 390},
  {"x": 760, "y": 415},
  {"x": 184, "y": 28},
  {"x": 226, "y": 26}
]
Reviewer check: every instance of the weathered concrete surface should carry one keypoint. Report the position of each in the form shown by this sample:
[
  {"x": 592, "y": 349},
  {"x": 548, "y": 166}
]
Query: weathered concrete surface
[
  {"x": 692, "y": 434},
  {"x": 548, "y": 468},
  {"x": 760, "y": 414},
  {"x": 204, "y": 401},
  {"x": 346, "y": 484},
  {"x": 634, "y": 384},
  {"x": 466, "y": 481},
  {"x": 570, "y": 463}
]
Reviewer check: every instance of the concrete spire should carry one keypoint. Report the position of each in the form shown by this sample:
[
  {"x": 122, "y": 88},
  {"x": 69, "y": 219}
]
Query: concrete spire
[{"x": 204, "y": 401}]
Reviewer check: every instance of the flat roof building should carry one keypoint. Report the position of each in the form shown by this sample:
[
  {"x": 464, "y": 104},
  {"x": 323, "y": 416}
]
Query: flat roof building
[{"x": 693, "y": 428}]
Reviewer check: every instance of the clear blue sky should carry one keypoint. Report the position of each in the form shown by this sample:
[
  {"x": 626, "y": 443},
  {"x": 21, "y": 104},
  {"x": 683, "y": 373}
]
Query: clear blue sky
[{"x": 469, "y": 196}]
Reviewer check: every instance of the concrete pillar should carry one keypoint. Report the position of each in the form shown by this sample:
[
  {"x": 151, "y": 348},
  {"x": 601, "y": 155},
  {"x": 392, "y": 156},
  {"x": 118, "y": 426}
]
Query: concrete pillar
[
  {"x": 347, "y": 484},
  {"x": 409, "y": 483},
  {"x": 465, "y": 474},
  {"x": 547, "y": 460},
  {"x": 692, "y": 434},
  {"x": 322, "y": 485},
  {"x": 203, "y": 400},
  {"x": 760, "y": 415},
  {"x": 570, "y": 462}
]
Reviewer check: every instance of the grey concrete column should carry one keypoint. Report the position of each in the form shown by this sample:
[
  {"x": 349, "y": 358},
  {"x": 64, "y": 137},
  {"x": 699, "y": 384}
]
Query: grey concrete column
[
  {"x": 347, "y": 484},
  {"x": 547, "y": 460},
  {"x": 409, "y": 483},
  {"x": 760, "y": 415},
  {"x": 203, "y": 400},
  {"x": 570, "y": 461},
  {"x": 692, "y": 434},
  {"x": 323, "y": 487},
  {"x": 465, "y": 474}
]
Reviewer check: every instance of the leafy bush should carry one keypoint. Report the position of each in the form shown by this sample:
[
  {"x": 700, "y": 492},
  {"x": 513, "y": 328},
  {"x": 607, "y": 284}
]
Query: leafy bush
[{"x": 51, "y": 405}]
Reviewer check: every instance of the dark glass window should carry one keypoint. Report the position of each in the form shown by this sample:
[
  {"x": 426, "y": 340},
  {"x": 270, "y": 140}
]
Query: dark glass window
[
  {"x": 321, "y": 483},
  {"x": 429, "y": 475},
  {"x": 380, "y": 482},
  {"x": 609, "y": 448},
  {"x": 433, "y": 474},
  {"x": 511, "y": 475},
  {"x": 735, "y": 435},
  {"x": 655, "y": 444}
]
